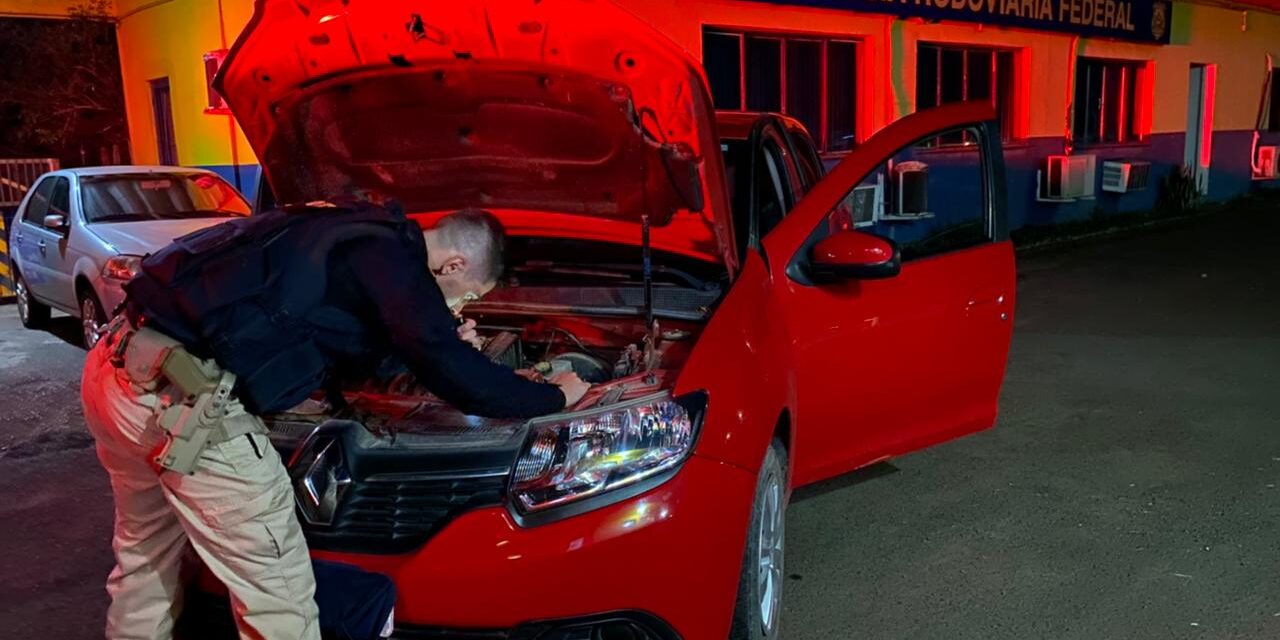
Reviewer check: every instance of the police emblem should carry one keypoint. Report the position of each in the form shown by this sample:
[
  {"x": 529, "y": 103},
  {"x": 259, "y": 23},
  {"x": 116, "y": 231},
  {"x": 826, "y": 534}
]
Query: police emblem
[{"x": 1159, "y": 19}]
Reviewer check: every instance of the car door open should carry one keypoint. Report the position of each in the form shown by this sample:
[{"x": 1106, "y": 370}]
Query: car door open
[{"x": 894, "y": 283}]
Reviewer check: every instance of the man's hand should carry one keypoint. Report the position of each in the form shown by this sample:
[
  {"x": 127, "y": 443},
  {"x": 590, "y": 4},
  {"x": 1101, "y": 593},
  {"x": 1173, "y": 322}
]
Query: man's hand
[
  {"x": 571, "y": 386},
  {"x": 467, "y": 333}
]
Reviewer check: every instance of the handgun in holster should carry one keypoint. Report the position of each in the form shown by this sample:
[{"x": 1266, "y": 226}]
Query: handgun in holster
[{"x": 193, "y": 396}]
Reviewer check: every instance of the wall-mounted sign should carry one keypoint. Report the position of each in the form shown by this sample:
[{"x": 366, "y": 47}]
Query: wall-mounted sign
[{"x": 1137, "y": 20}]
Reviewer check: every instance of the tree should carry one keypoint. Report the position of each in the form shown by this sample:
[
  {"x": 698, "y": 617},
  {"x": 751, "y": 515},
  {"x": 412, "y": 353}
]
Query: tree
[{"x": 60, "y": 89}]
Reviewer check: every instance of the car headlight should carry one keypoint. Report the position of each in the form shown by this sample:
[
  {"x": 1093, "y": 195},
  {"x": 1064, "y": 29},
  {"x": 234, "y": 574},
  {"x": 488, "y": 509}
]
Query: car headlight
[
  {"x": 320, "y": 478},
  {"x": 588, "y": 458},
  {"x": 122, "y": 267}
]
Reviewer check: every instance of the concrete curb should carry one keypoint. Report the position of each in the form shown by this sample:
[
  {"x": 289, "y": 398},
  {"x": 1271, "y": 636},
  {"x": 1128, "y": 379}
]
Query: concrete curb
[
  {"x": 1268, "y": 197},
  {"x": 1118, "y": 231}
]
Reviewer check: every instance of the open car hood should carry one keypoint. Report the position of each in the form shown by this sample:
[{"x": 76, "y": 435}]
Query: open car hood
[{"x": 569, "y": 107}]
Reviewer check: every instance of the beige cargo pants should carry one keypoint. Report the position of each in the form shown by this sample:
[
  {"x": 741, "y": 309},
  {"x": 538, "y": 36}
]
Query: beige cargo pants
[{"x": 236, "y": 511}]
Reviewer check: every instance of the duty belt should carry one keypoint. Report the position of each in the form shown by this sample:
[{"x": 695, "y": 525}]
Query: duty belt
[{"x": 193, "y": 393}]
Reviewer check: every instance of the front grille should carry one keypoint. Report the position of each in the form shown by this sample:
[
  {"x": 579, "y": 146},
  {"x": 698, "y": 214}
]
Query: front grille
[
  {"x": 393, "y": 514},
  {"x": 286, "y": 435}
]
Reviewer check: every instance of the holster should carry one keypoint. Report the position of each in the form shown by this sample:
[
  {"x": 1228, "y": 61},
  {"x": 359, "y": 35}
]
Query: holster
[{"x": 193, "y": 396}]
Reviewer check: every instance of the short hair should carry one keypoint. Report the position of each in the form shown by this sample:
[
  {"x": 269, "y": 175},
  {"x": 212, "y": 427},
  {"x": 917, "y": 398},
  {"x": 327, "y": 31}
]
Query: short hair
[{"x": 480, "y": 236}]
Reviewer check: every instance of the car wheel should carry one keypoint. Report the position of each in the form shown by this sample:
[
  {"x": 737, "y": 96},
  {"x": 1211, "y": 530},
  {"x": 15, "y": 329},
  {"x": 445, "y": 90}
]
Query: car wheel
[
  {"x": 758, "y": 613},
  {"x": 32, "y": 314},
  {"x": 92, "y": 319}
]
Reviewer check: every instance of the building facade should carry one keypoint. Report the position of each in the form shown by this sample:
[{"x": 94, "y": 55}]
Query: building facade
[
  {"x": 1156, "y": 84},
  {"x": 167, "y": 51}
]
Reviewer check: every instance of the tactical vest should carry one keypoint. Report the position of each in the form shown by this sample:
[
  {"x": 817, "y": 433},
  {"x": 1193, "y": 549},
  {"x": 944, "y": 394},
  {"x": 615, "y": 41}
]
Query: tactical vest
[{"x": 250, "y": 293}]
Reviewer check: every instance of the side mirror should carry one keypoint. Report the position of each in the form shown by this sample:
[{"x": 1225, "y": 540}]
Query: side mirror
[
  {"x": 854, "y": 254},
  {"x": 55, "y": 222}
]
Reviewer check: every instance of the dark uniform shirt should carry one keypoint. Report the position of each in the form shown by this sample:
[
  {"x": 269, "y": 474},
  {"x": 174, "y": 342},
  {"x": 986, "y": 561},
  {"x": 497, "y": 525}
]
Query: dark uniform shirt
[{"x": 387, "y": 285}]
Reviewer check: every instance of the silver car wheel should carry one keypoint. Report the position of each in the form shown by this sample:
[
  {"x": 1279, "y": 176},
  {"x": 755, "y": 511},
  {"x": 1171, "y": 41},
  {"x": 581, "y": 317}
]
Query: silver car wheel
[
  {"x": 24, "y": 305},
  {"x": 89, "y": 321},
  {"x": 770, "y": 538}
]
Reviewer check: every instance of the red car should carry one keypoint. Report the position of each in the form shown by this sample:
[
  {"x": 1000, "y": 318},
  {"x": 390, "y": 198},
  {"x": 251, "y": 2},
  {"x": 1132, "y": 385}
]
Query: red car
[{"x": 745, "y": 339}]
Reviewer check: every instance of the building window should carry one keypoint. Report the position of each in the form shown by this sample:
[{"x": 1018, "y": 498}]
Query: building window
[
  {"x": 947, "y": 74},
  {"x": 812, "y": 79},
  {"x": 162, "y": 112},
  {"x": 1107, "y": 101},
  {"x": 1273, "y": 110}
]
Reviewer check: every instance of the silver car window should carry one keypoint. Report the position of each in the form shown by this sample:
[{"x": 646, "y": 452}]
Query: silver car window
[
  {"x": 60, "y": 200},
  {"x": 38, "y": 206}
]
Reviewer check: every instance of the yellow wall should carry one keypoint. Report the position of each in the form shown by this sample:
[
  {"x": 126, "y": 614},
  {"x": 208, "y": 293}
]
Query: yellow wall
[
  {"x": 170, "y": 40},
  {"x": 1215, "y": 37}
]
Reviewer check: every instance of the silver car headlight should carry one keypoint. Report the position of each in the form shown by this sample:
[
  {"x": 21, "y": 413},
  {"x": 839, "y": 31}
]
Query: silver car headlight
[
  {"x": 585, "y": 460},
  {"x": 123, "y": 267}
]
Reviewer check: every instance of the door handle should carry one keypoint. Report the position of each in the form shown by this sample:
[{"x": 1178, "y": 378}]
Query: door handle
[{"x": 42, "y": 247}]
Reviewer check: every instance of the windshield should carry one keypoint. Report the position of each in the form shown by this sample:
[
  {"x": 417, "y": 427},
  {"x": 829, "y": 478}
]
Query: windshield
[{"x": 159, "y": 196}]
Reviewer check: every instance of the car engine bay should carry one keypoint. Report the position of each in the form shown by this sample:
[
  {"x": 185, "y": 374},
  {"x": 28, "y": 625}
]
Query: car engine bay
[
  {"x": 618, "y": 356},
  {"x": 588, "y": 316}
]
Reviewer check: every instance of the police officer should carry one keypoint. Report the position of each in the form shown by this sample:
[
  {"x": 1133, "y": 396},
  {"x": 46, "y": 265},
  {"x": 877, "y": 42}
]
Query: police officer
[{"x": 251, "y": 317}]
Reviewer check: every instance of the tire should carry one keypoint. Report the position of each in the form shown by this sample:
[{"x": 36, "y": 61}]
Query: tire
[
  {"x": 31, "y": 313},
  {"x": 758, "y": 613},
  {"x": 92, "y": 318}
]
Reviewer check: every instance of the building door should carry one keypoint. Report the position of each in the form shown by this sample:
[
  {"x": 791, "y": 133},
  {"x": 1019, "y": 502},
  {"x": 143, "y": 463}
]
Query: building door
[
  {"x": 162, "y": 111},
  {"x": 1199, "y": 146}
]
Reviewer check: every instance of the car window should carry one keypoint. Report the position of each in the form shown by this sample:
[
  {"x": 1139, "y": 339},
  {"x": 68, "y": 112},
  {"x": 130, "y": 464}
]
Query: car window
[
  {"x": 927, "y": 202},
  {"x": 38, "y": 204},
  {"x": 790, "y": 164},
  {"x": 159, "y": 196},
  {"x": 737, "y": 166},
  {"x": 773, "y": 188},
  {"x": 60, "y": 200},
  {"x": 806, "y": 158}
]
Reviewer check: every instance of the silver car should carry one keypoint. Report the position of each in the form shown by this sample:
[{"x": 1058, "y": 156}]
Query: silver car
[{"x": 80, "y": 234}]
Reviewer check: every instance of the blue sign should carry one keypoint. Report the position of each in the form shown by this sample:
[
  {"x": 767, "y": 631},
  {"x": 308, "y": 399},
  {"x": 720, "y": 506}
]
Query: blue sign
[{"x": 1136, "y": 20}]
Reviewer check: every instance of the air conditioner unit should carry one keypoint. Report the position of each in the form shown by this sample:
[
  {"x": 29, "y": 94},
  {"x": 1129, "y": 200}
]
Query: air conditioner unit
[
  {"x": 910, "y": 191},
  {"x": 1265, "y": 167},
  {"x": 867, "y": 203},
  {"x": 212, "y": 63},
  {"x": 1123, "y": 176},
  {"x": 1066, "y": 178}
]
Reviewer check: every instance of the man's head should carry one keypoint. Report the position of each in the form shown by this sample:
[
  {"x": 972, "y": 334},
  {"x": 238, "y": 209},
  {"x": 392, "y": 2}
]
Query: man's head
[{"x": 464, "y": 253}]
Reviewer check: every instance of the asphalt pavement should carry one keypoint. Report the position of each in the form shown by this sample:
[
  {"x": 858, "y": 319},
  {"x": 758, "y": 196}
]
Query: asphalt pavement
[{"x": 1128, "y": 491}]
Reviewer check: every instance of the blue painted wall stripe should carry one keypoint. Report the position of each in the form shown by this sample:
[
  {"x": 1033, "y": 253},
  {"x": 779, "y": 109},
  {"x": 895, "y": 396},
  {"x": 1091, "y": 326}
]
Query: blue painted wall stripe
[{"x": 1230, "y": 174}]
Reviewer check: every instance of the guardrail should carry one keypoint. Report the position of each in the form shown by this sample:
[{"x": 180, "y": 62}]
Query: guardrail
[{"x": 18, "y": 174}]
